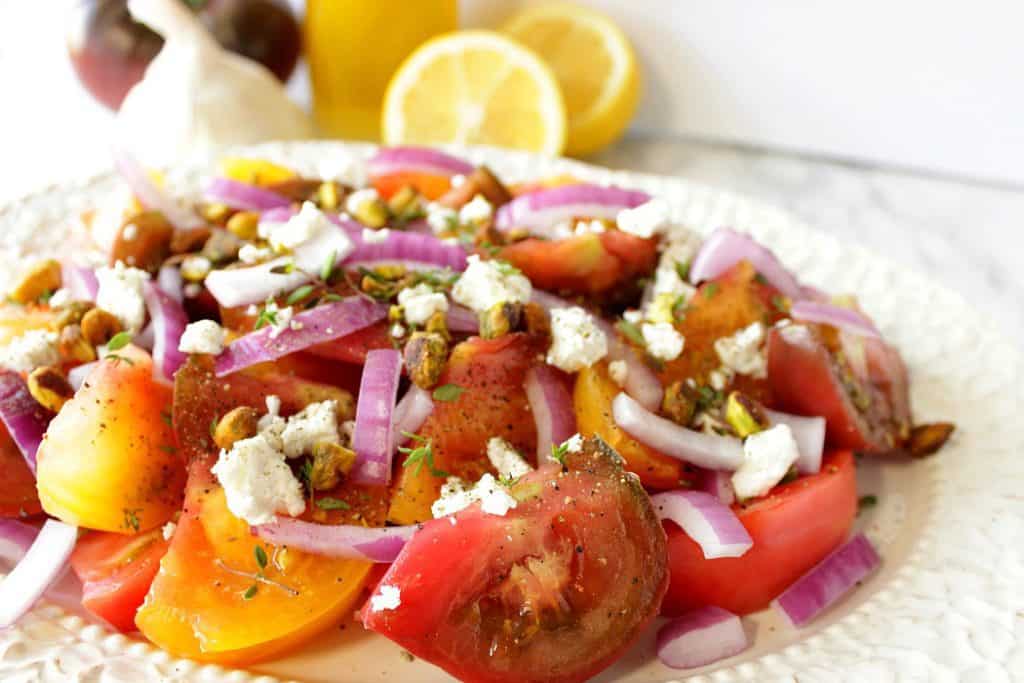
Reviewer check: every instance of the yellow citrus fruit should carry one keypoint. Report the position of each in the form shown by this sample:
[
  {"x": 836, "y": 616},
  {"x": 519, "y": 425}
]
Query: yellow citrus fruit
[
  {"x": 595, "y": 66},
  {"x": 475, "y": 87}
]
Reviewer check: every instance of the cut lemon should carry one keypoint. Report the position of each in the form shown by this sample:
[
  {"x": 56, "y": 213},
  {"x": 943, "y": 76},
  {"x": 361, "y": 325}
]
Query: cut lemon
[
  {"x": 595, "y": 66},
  {"x": 475, "y": 87}
]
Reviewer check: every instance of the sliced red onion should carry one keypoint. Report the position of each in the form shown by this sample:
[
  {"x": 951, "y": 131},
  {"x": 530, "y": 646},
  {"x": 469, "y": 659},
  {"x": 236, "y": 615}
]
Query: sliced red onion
[
  {"x": 321, "y": 324},
  {"x": 708, "y": 521},
  {"x": 426, "y": 251},
  {"x": 542, "y": 210},
  {"x": 43, "y": 564},
  {"x": 839, "y": 317},
  {"x": 15, "y": 540},
  {"x": 151, "y": 196},
  {"x": 718, "y": 484},
  {"x": 828, "y": 581},
  {"x": 704, "y": 450},
  {"x": 461, "y": 319},
  {"x": 854, "y": 351},
  {"x": 78, "y": 374},
  {"x": 280, "y": 214},
  {"x": 374, "y": 439},
  {"x": 169, "y": 321},
  {"x": 343, "y": 541},
  {"x": 725, "y": 247},
  {"x": 411, "y": 412},
  {"x": 809, "y": 433},
  {"x": 80, "y": 281},
  {"x": 145, "y": 338},
  {"x": 700, "y": 637},
  {"x": 25, "y": 419},
  {"x": 170, "y": 281},
  {"x": 552, "y": 408},
  {"x": 641, "y": 381},
  {"x": 239, "y": 195},
  {"x": 415, "y": 160}
]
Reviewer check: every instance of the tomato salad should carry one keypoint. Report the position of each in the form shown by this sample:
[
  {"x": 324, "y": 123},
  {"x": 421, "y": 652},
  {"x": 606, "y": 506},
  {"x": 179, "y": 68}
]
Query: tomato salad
[{"x": 506, "y": 425}]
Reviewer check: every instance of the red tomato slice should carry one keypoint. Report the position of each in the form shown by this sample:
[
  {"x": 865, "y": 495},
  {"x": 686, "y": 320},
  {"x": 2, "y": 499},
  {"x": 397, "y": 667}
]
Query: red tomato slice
[
  {"x": 793, "y": 528},
  {"x": 18, "y": 496},
  {"x": 553, "y": 591},
  {"x": 353, "y": 348},
  {"x": 807, "y": 380},
  {"x": 429, "y": 185},
  {"x": 116, "y": 572}
]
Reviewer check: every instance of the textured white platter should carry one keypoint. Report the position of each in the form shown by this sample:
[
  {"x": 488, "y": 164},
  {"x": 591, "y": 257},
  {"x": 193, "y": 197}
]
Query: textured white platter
[{"x": 948, "y": 602}]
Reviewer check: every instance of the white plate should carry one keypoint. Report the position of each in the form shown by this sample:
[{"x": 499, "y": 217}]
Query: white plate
[{"x": 948, "y": 602}]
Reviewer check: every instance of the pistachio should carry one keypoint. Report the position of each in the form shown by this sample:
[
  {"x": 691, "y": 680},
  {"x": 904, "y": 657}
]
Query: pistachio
[
  {"x": 221, "y": 246},
  {"x": 195, "y": 268},
  {"x": 187, "y": 241},
  {"x": 425, "y": 356},
  {"x": 244, "y": 225},
  {"x": 516, "y": 235},
  {"x": 391, "y": 271},
  {"x": 405, "y": 204},
  {"x": 744, "y": 414},
  {"x": 926, "y": 439},
  {"x": 438, "y": 324},
  {"x": 395, "y": 314},
  {"x": 679, "y": 403},
  {"x": 481, "y": 181},
  {"x": 49, "y": 387},
  {"x": 144, "y": 241},
  {"x": 215, "y": 213},
  {"x": 239, "y": 423},
  {"x": 98, "y": 326},
  {"x": 331, "y": 462},
  {"x": 500, "y": 319},
  {"x": 42, "y": 278},
  {"x": 372, "y": 213},
  {"x": 73, "y": 347},
  {"x": 296, "y": 189},
  {"x": 537, "y": 319},
  {"x": 329, "y": 195},
  {"x": 71, "y": 314}
]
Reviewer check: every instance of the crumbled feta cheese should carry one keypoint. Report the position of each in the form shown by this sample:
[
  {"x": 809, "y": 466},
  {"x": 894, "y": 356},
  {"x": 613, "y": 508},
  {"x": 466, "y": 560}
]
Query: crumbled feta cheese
[
  {"x": 476, "y": 210},
  {"x": 506, "y": 459},
  {"x": 360, "y": 197},
  {"x": 192, "y": 290},
  {"x": 667, "y": 281},
  {"x": 280, "y": 318},
  {"x": 441, "y": 219},
  {"x": 250, "y": 253},
  {"x": 561, "y": 230},
  {"x": 485, "y": 283},
  {"x": 720, "y": 378},
  {"x": 663, "y": 340},
  {"x": 576, "y": 340},
  {"x": 29, "y": 351},
  {"x": 61, "y": 297},
  {"x": 371, "y": 236},
  {"x": 387, "y": 597},
  {"x": 457, "y": 180},
  {"x": 662, "y": 309},
  {"x": 196, "y": 267},
  {"x": 618, "y": 371},
  {"x": 767, "y": 457},
  {"x": 420, "y": 302},
  {"x": 168, "y": 530},
  {"x": 120, "y": 293},
  {"x": 299, "y": 229},
  {"x": 494, "y": 498},
  {"x": 316, "y": 422},
  {"x": 574, "y": 444},
  {"x": 202, "y": 336},
  {"x": 397, "y": 331},
  {"x": 456, "y": 495},
  {"x": 594, "y": 227},
  {"x": 633, "y": 316},
  {"x": 257, "y": 481},
  {"x": 343, "y": 169},
  {"x": 742, "y": 351},
  {"x": 646, "y": 220},
  {"x": 129, "y": 232}
]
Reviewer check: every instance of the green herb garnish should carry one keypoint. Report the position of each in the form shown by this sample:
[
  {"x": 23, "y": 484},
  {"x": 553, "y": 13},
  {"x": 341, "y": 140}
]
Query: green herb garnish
[
  {"x": 866, "y": 502},
  {"x": 250, "y": 592},
  {"x": 424, "y": 453},
  {"x": 631, "y": 331},
  {"x": 448, "y": 392},
  {"x": 683, "y": 270},
  {"x": 559, "y": 452},
  {"x": 299, "y": 294},
  {"x": 710, "y": 290},
  {"x": 331, "y": 504},
  {"x": 261, "y": 556},
  {"x": 131, "y": 519},
  {"x": 119, "y": 341}
]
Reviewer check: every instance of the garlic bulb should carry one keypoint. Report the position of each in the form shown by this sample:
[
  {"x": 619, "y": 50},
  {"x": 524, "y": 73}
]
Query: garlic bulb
[{"x": 197, "y": 96}]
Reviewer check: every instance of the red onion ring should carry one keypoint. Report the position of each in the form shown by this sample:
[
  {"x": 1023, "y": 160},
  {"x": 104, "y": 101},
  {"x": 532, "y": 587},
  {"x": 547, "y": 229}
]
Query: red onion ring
[
  {"x": 406, "y": 247},
  {"x": 846, "y": 319},
  {"x": 708, "y": 521},
  {"x": 411, "y": 412},
  {"x": 724, "y": 248},
  {"x": 80, "y": 281},
  {"x": 540, "y": 211},
  {"x": 239, "y": 195},
  {"x": 168, "y": 322},
  {"x": 25, "y": 419},
  {"x": 170, "y": 282},
  {"x": 415, "y": 160},
  {"x": 42, "y": 565},
  {"x": 374, "y": 440},
  {"x": 701, "y": 637},
  {"x": 718, "y": 484},
  {"x": 150, "y": 195},
  {"x": 343, "y": 541},
  {"x": 552, "y": 408},
  {"x": 809, "y": 433}
]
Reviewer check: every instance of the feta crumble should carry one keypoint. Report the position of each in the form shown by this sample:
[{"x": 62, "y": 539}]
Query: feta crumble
[
  {"x": 494, "y": 498},
  {"x": 257, "y": 481},
  {"x": 168, "y": 530},
  {"x": 387, "y": 597},
  {"x": 420, "y": 302},
  {"x": 250, "y": 253},
  {"x": 646, "y": 220},
  {"x": 720, "y": 378},
  {"x": 280, "y": 318},
  {"x": 343, "y": 169},
  {"x": 594, "y": 227},
  {"x": 371, "y": 236},
  {"x": 619, "y": 372},
  {"x": 742, "y": 352},
  {"x": 767, "y": 457},
  {"x": 576, "y": 340},
  {"x": 29, "y": 351},
  {"x": 506, "y": 459},
  {"x": 315, "y": 422},
  {"x": 574, "y": 444},
  {"x": 633, "y": 316},
  {"x": 441, "y": 219},
  {"x": 476, "y": 210},
  {"x": 456, "y": 495},
  {"x": 485, "y": 283},
  {"x": 397, "y": 331},
  {"x": 360, "y": 197},
  {"x": 663, "y": 340},
  {"x": 120, "y": 294},
  {"x": 202, "y": 336},
  {"x": 62, "y": 297},
  {"x": 299, "y": 229}
]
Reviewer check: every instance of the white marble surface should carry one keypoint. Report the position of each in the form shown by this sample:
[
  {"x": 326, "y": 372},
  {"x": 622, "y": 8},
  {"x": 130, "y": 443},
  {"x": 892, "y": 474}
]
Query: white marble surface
[{"x": 968, "y": 236}]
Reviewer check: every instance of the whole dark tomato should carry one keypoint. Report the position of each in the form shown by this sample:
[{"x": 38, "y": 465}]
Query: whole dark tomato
[{"x": 110, "y": 51}]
